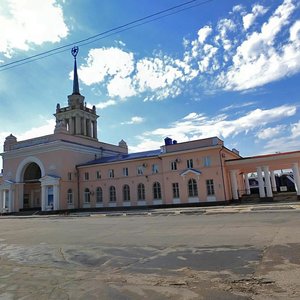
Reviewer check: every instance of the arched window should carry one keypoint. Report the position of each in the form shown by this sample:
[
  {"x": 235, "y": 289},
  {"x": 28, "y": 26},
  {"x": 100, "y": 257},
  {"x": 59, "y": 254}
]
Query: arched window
[
  {"x": 192, "y": 187},
  {"x": 99, "y": 195},
  {"x": 112, "y": 194},
  {"x": 87, "y": 196},
  {"x": 156, "y": 190},
  {"x": 141, "y": 192},
  {"x": 126, "y": 192},
  {"x": 70, "y": 197}
]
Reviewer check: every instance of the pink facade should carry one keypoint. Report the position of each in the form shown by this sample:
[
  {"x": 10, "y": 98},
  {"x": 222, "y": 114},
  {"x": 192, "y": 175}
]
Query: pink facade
[{"x": 71, "y": 169}]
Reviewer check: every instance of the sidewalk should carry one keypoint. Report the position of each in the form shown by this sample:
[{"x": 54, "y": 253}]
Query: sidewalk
[{"x": 209, "y": 210}]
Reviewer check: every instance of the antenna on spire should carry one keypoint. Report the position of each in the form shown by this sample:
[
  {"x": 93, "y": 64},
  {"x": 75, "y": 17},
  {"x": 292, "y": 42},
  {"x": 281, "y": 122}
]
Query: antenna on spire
[{"x": 74, "y": 52}]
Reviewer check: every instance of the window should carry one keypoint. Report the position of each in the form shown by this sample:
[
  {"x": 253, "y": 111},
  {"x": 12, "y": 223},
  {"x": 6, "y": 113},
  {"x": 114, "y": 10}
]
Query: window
[
  {"x": 140, "y": 170},
  {"x": 6, "y": 198},
  {"x": 141, "y": 192},
  {"x": 111, "y": 173},
  {"x": 70, "y": 197},
  {"x": 154, "y": 168},
  {"x": 125, "y": 172},
  {"x": 98, "y": 174},
  {"x": 87, "y": 196},
  {"x": 50, "y": 197},
  {"x": 112, "y": 194},
  {"x": 174, "y": 165},
  {"x": 210, "y": 187},
  {"x": 99, "y": 195},
  {"x": 189, "y": 163},
  {"x": 86, "y": 176},
  {"x": 156, "y": 190},
  {"x": 126, "y": 192},
  {"x": 69, "y": 176},
  {"x": 192, "y": 187},
  {"x": 206, "y": 161},
  {"x": 175, "y": 190}
]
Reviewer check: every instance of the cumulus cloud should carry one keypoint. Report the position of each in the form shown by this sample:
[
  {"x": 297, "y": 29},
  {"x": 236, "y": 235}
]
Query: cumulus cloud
[
  {"x": 270, "y": 132},
  {"x": 203, "y": 33},
  {"x": 242, "y": 51},
  {"x": 20, "y": 19},
  {"x": 134, "y": 120},
  {"x": 248, "y": 19},
  {"x": 197, "y": 126},
  {"x": 289, "y": 141},
  {"x": 105, "y": 104},
  {"x": 259, "y": 60},
  {"x": 157, "y": 77}
]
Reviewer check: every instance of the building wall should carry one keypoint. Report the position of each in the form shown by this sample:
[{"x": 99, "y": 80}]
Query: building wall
[{"x": 165, "y": 177}]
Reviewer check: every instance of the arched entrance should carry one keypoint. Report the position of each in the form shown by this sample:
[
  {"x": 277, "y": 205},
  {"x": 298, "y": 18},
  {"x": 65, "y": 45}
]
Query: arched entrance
[{"x": 32, "y": 186}]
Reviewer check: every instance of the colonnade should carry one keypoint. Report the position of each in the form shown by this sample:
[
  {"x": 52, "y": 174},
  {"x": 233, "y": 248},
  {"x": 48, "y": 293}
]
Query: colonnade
[
  {"x": 82, "y": 126},
  {"x": 266, "y": 181}
]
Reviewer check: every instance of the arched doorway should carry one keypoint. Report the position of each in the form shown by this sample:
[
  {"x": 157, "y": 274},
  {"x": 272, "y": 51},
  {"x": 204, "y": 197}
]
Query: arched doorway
[{"x": 32, "y": 186}]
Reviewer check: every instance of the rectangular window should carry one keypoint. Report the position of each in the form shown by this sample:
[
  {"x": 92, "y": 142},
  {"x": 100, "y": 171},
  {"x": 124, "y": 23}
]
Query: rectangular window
[
  {"x": 86, "y": 176},
  {"x": 210, "y": 187},
  {"x": 154, "y": 168},
  {"x": 50, "y": 196},
  {"x": 6, "y": 198},
  {"x": 125, "y": 172},
  {"x": 111, "y": 173},
  {"x": 140, "y": 170},
  {"x": 69, "y": 176},
  {"x": 70, "y": 197},
  {"x": 206, "y": 161},
  {"x": 98, "y": 174},
  {"x": 174, "y": 165},
  {"x": 175, "y": 190},
  {"x": 189, "y": 163}
]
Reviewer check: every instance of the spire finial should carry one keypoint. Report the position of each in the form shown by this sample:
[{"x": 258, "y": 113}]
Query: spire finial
[{"x": 74, "y": 52}]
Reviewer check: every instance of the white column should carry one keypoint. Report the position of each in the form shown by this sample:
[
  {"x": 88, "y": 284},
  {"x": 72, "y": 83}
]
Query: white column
[
  {"x": 273, "y": 182},
  {"x": 84, "y": 126},
  {"x": 295, "y": 169},
  {"x": 95, "y": 129},
  {"x": 11, "y": 200},
  {"x": 1, "y": 200},
  {"x": 43, "y": 200},
  {"x": 261, "y": 184},
  {"x": 78, "y": 125},
  {"x": 234, "y": 186},
  {"x": 72, "y": 125},
  {"x": 55, "y": 197},
  {"x": 268, "y": 181},
  {"x": 247, "y": 186},
  {"x": 89, "y": 128}
]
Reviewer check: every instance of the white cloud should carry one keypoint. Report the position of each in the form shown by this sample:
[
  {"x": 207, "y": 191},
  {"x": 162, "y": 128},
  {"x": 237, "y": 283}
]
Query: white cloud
[
  {"x": 288, "y": 142},
  {"x": 197, "y": 126},
  {"x": 203, "y": 33},
  {"x": 105, "y": 104},
  {"x": 134, "y": 120},
  {"x": 145, "y": 144},
  {"x": 270, "y": 132},
  {"x": 47, "y": 128},
  {"x": 239, "y": 105},
  {"x": 156, "y": 78},
  {"x": 106, "y": 62},
  {"x": 295, "y": 130},
  {"x": 20, "y": 19},
  {"x": 257, "y": 61},
  {"x": 248, "y": 19}
]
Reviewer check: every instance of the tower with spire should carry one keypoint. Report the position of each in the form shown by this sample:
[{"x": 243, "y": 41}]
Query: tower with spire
[{"x": 77, "y": 119}]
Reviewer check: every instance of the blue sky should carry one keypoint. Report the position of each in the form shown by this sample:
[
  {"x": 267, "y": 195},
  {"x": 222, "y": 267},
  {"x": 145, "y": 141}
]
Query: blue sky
[{"x": 223, "y": 68}]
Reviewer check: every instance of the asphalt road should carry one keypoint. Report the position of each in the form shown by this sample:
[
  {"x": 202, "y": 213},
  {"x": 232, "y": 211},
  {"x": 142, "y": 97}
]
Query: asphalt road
[{"x": 221, "y": 256}]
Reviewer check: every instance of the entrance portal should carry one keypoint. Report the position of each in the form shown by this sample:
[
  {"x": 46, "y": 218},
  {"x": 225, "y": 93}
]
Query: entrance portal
[{"x": 32, "y": 187}]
